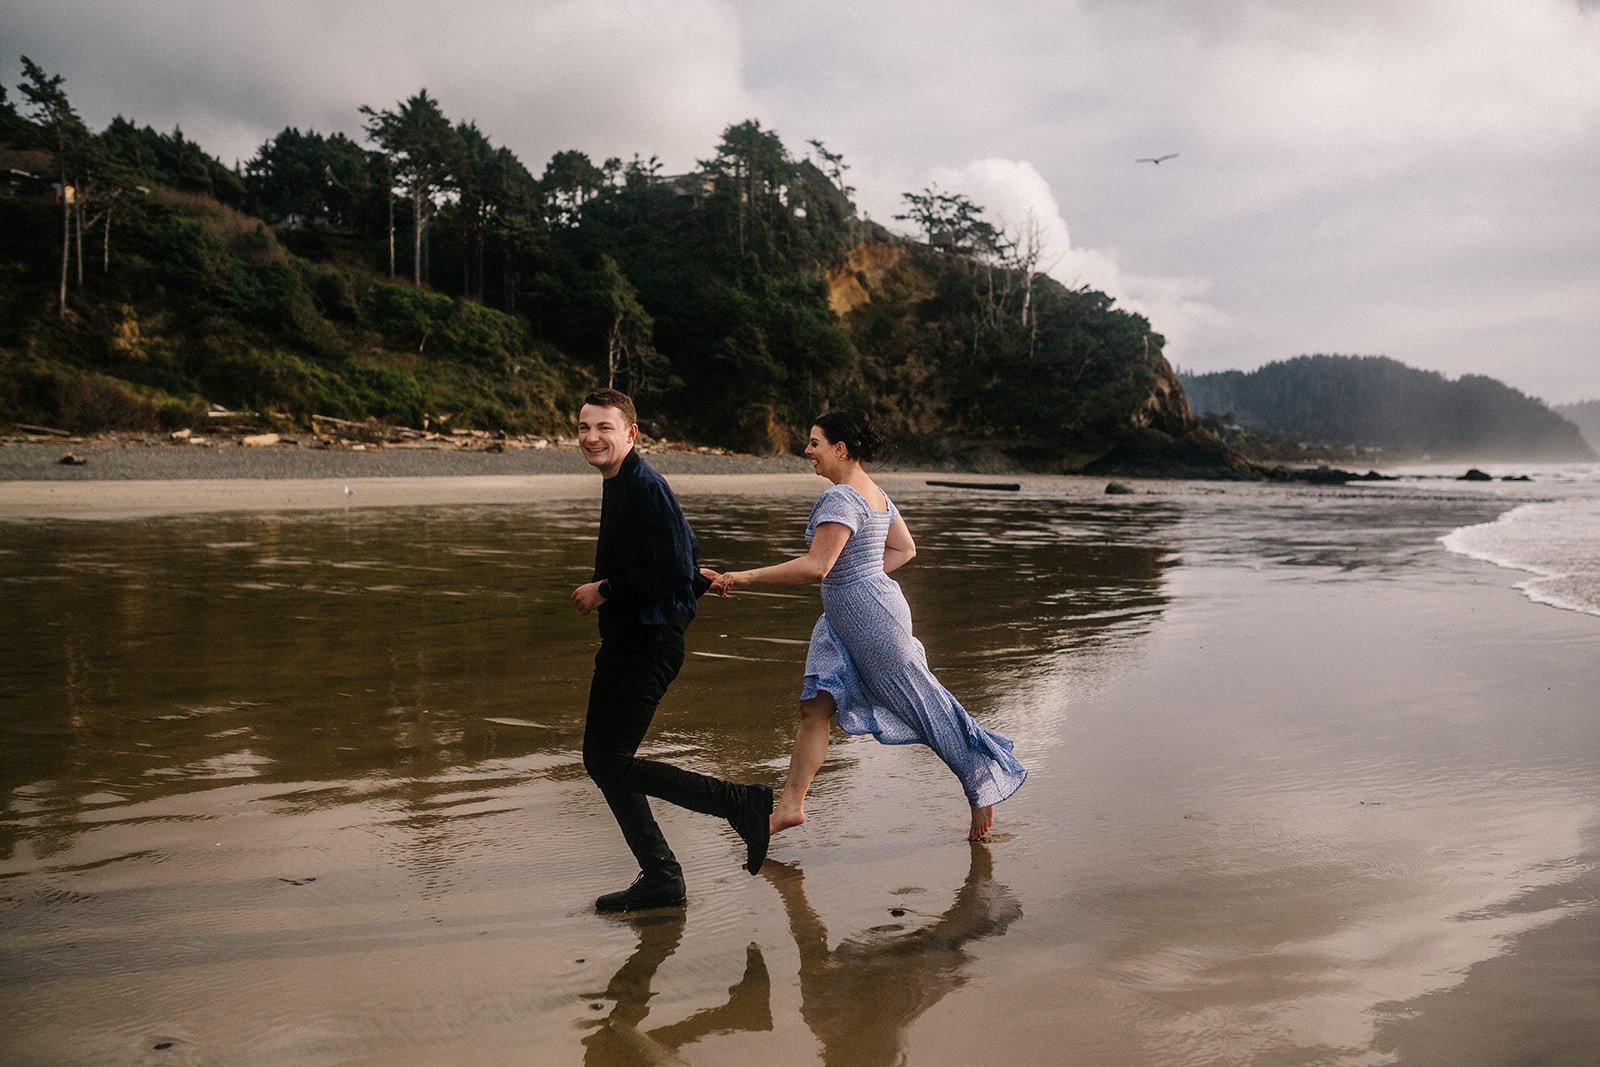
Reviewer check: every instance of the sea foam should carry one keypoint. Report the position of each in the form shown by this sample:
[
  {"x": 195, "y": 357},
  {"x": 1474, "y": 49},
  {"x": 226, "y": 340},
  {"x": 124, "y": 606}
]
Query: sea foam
[{"x": 1558, "y": 542}]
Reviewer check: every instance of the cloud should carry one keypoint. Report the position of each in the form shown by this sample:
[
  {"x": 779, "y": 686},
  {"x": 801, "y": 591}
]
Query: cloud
[
  {"x": 1433, "y": 157},
  {"x": 1014, "y": 195},
  {"x": 609, "y": 77},
  {"x": 1399, "y": 79}
]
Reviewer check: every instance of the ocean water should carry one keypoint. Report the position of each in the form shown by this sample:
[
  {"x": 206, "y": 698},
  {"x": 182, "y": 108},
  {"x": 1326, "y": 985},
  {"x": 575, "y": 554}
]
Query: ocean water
[{"x": 1550, "y": 530}]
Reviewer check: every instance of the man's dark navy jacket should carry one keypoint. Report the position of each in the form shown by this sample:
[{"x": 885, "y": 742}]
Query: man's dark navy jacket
[{"x": 646, "y": 549}]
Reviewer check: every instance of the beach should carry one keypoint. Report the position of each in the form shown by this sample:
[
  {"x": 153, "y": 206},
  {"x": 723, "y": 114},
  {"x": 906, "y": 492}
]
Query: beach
[{"x": 293, "y": 774}]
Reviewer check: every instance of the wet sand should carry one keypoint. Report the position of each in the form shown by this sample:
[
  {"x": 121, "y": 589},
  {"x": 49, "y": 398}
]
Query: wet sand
[{"x": 304, "y": 786}]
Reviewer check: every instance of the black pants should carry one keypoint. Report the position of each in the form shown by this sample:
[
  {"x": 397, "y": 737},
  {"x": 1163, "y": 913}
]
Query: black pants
[{"x": 632, "y": 670}]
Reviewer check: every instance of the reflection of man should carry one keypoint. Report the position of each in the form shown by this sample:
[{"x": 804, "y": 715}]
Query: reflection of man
[
  {"x": 644, "y": 587},
  {"x": 618, "y": 1038}
]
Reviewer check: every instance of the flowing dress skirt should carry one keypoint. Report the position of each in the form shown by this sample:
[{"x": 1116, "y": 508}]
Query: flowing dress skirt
[{"x": 864, "y": 654}]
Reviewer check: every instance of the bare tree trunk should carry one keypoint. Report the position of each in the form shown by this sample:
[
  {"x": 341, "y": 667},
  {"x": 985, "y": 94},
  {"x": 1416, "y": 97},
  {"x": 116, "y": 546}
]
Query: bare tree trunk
[
  {"x": 416, "y": 237},
  {"x": 613, "y": 351},
  {"x": 481, "y": 243},
  {"x": 742, "y": 181},
  {"x": 66, "y": 244},
  {"x": 105, "y": 243},
  {"x": 477, "y": 258},
  {"x": 389, "y": 172},
  {"x": 78, "y": 211}
]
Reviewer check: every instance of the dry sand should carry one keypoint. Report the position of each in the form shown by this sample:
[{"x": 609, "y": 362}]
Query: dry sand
[{"x": 132, "y": 477}]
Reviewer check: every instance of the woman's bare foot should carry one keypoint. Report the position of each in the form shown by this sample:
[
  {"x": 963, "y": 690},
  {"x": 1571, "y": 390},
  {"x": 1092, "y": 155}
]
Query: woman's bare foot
[
  {"x": 784, "y": 820},
  {"x": 982, "y": 822}
]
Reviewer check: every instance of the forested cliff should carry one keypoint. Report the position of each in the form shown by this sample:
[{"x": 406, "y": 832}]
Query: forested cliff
[
  {"x": 430, "y": 277},
  {"x": 1379, "y": 402}
]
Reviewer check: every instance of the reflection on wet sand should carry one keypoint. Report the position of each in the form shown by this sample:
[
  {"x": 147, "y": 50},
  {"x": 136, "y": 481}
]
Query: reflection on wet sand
[
  {"x": 379, "y": 713},
  {"x": 617, "y": 1039},
  {"x": 861, "y": 998},
  {"x": 369, "y": 656}
]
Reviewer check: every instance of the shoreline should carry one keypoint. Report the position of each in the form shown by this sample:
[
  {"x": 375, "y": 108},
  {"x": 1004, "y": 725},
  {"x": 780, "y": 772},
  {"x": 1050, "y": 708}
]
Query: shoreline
[
  {"x": 57, "y": 457},
  {"x": 143, "y": 477},
  {"x": 135, "y": 499}
]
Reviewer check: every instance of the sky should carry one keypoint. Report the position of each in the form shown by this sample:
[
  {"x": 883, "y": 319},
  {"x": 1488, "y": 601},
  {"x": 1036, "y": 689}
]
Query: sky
[{"x": 1418, "y": 179}]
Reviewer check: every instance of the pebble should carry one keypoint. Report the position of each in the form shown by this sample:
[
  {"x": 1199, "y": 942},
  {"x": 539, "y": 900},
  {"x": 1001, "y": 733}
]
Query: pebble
[{"x": 161, "y": 460}]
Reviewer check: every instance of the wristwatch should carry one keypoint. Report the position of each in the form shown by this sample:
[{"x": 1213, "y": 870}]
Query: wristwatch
[{"x": 605, "y": 588}]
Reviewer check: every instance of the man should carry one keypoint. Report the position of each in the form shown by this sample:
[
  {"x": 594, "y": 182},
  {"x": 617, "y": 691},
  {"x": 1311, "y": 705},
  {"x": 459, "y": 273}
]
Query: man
[{"x": 644, "y": 588}]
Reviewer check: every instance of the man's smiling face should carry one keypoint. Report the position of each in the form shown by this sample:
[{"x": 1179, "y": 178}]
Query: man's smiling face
[{"x": 605, "y": 437}]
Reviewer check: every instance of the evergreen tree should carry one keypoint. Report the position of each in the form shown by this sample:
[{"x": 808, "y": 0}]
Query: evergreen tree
[
  {"x": 319, "y": 180},
  {"x": 54, "y": 112},
  {"x": 570, "y": 181},
  {"x": 752, "y": 172},
  {"x": 951, "y": 222},
  {"x": 421, "y": 146},
  {"x": 14, "y": 129}
]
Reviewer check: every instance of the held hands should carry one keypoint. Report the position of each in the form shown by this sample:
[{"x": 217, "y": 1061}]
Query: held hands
[
  {"x": 721, "y": 584},
  {"x": 587, "y": 597}
]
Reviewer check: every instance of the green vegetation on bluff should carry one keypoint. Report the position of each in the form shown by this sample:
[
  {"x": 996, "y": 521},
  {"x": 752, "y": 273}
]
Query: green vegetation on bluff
[
  {"x": 432, "y": 276},
  {"x": 1373, "y": 401}
]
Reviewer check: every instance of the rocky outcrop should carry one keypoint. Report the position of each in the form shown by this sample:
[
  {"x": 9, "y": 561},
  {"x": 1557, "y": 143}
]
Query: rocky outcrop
[
  {"x": 1163, "y": 438},
  {"x": 979, "y": 371},
  {"x": 1151, "y": 453}
]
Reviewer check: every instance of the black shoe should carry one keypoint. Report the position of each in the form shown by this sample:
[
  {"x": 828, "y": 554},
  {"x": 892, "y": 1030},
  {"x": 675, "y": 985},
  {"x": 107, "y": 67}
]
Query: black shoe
[
  {"x": 752, "y": 823},
  {"x": 647, "y": 891}
]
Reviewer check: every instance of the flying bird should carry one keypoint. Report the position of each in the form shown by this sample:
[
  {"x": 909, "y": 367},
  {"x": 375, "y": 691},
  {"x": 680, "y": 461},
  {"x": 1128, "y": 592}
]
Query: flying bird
[{"x": 1157, "y": 159}]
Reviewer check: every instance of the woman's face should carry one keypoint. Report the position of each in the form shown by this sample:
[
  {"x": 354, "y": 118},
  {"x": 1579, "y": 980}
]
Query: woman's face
[{"x": 824, "y": 454}]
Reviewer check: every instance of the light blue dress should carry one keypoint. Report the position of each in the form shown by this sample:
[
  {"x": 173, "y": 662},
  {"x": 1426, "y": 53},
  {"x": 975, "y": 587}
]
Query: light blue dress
[{"x": 864, "y": 653}]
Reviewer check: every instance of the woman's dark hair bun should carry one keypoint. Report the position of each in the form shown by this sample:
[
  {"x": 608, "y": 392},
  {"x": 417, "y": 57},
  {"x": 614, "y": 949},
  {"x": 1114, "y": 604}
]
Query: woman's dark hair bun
[{"x": 852, "y": 427}]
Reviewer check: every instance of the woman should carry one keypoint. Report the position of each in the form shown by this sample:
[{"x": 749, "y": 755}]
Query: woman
[{"x": 864, "y": 664}]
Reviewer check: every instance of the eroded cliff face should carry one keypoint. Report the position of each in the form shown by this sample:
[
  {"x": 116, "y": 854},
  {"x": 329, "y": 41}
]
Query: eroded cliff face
[
  {"x": 864, "y": 271},
  {"x": 1166, "y": 408}
]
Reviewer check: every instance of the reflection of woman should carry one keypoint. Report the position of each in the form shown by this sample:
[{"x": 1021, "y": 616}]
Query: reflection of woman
[
  {"x": 861, "y": 998},
  {"x": 864, "y": 662}
]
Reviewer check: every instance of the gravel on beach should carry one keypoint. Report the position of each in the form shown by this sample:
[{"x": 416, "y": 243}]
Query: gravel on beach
[{"x": 149, "y": 458}]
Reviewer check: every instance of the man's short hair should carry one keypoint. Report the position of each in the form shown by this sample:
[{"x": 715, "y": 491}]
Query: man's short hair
[{"x": 614, "y": 398}]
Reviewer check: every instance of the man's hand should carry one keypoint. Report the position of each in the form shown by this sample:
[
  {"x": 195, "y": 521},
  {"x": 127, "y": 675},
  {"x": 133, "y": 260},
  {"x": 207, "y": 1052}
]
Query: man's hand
[{"x": 587, "y": 597}]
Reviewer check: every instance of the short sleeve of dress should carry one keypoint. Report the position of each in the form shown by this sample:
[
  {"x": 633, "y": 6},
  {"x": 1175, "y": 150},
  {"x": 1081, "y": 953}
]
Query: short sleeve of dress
[{"x": 837, "y": 504}]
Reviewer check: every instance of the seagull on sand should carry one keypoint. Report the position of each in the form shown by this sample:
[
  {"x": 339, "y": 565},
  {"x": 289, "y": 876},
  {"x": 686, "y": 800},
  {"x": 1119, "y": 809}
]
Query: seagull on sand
[{"x": 1157, "y": 159}]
